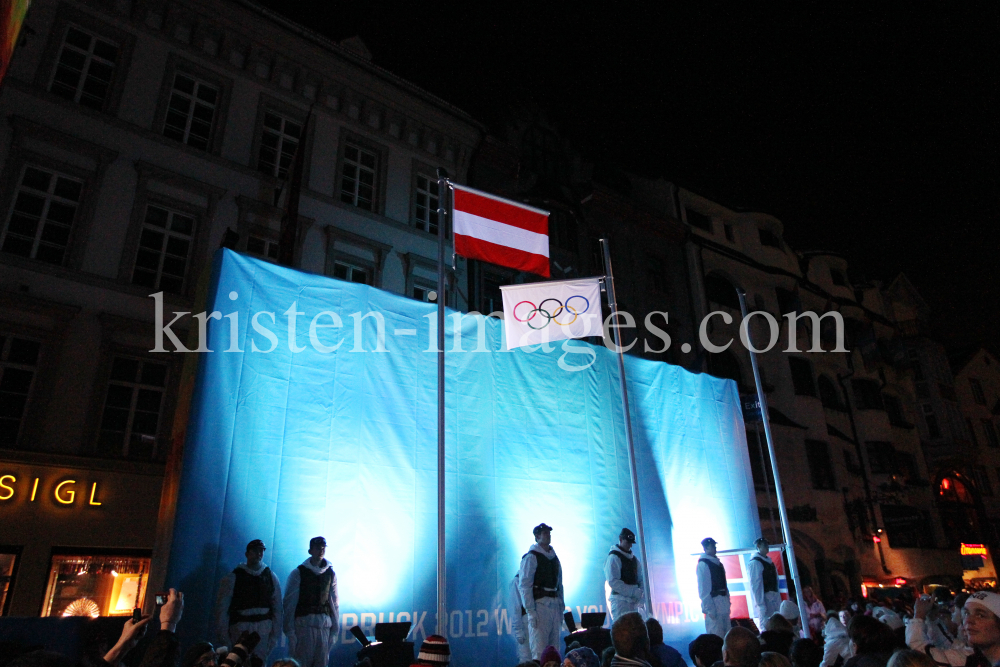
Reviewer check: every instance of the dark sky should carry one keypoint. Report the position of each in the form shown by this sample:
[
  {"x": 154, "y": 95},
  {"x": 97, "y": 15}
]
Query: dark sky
[{"x": 870, "y": 131}]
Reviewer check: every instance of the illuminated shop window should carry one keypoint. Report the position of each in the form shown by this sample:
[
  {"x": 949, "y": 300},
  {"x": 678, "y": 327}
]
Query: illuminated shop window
[
  {"x": 95, "y": 585},
  {"x": 8, "y": 570}
]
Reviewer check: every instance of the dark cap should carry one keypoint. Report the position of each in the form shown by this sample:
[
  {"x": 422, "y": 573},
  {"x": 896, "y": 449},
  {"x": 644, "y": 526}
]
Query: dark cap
[
  {"x": 707, "y": 541},
  {"x": 626, "y": 534},
  {"x": 537, "y": 530},
  {"x": 761, "y": 539},
  {"x": 317, "y": 542},
  {"x": 256, "y": 544}
]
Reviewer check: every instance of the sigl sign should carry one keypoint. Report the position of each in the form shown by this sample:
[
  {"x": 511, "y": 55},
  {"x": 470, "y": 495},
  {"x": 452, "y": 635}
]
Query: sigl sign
[{"x": 973, "y": 556}]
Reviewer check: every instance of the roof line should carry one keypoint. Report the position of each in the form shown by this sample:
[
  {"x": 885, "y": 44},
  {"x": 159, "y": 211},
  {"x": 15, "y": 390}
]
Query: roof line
[{"x": 331, "y": 45}]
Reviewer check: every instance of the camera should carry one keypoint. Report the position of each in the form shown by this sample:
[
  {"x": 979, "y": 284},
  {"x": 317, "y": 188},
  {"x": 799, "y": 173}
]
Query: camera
[
  {"x": 161, "y": 599},
  {"x": 244, "y": 646}
]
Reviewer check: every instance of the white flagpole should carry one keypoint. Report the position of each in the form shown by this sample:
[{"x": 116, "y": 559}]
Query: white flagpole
[
  {"x": 783, "y": 513},
  {"x": 444, "y": 205},
  {"x": 609, "y": 282}
]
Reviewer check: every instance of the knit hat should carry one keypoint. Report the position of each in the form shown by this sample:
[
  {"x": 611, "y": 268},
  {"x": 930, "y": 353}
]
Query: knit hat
[
  {"x": 435, "y": 651},
  {"x": 789, "y": 611},
  {"x": 550, "y": 654},
  {"x": 889, "y": 617},
  {"x": 985, "y": 599},
  {"x": 582, "y": 657}
]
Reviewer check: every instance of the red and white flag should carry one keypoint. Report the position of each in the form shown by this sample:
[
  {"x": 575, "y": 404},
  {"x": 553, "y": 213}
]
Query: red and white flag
[{"x": 500, "y": 231}]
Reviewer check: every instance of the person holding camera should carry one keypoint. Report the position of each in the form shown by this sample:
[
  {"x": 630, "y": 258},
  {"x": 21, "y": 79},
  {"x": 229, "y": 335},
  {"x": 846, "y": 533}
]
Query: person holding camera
[
  {"x": 249, "y": 600},
  {"x": 542, "y": 591},
  {"x": 621, "y": 571},
  {"x": 312, "y": 609}
]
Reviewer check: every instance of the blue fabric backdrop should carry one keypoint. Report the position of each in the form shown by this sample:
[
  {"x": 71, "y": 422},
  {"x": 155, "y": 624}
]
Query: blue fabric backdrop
[{"x": 286, "y": 445}]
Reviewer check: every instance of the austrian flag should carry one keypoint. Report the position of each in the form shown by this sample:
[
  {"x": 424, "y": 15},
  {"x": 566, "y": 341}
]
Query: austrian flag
[{"x": 500, "y": 231}]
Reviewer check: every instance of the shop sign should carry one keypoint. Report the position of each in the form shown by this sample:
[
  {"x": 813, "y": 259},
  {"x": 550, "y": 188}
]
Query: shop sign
[
  {"x": 62, "y": 491},
  {"x": 973, "y": 556}
]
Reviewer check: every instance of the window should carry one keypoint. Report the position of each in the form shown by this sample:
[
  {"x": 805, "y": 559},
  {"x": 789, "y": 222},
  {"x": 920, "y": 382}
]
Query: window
[
  {"x": 562, "y": 232},
  {"x": 906, "y": 465},
  {"x": 982, "y": 479},
  {"x": 829, "y": 395},
  {"x": 760, "y": 461},
  {"x": 849, "y": 463},
  {"x": 991, "y": 433},
  {"x": 96, "y": 585},
  {"x": 918, "y": 370},
  {"x": 906, "y": 527},
  {"x": 130, "y": 421},
  {"x": 164, "y": 250},
  {"x": 18, "y": 362},
  {"x": 894, "y": 408},
  {"x": 972, "y": 432},
  {"x": 867, "y": 395},
  {"x": 699, "y": 220},
  {"x": 802, "y": 377},
  {"x": 977, "y": 391},
  {"x": 264, "y": 248},
  {"x": 423, "y": 293},
  {"x": 42, "y": 217},
  {"x": 881, "y": 457},
  {"x": 279, "y": 141},
  {"x": 9, "y": 557},
  {"x": 820, "y": 468},
  {"x": 358, "y": 172},
  {"x": 720, "y": 291},
  {"x": 838, "y": 278},
  {"x": 191, "y": 111},
  {"x": 85, "y": 69},
  {"x": 933, "y": 430},
  {"x": 490, "y": 297},
  {"x": 730, "y": 233},
  {"x": 351, "y": 273},
  {"x": 769, "y": 238},
  {"x": 425, "y": 204}
]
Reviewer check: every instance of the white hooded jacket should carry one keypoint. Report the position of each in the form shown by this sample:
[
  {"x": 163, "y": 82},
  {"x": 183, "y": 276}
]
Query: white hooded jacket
[
  {"x": 527, "y": 577},
  {"x": 292, "y": 600},
  {"x": 837, "y": 645},
  {"x": 613, "y": 575},
  {"x": 225, "y": 596}
]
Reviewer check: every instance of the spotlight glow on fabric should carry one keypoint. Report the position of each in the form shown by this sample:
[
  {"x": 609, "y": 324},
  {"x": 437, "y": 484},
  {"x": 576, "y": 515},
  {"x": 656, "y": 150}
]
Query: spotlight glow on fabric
[{"x": 315, "y": 414}]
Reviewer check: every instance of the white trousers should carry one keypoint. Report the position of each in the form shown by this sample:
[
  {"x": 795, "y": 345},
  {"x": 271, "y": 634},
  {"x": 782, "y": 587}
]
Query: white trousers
[
  {"x": 772, "y": 602},
  {"x": 717, "y": 617},
  {"x": 547, "y": 626},
  {"x": 619, "y": 604},
  {"x": 523, "y": 650},
  {"x": 311, "y": 646},
  {"x": 262, "y": 628}
]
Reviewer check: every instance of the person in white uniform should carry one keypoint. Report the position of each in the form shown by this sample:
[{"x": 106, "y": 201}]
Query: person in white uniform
[
  {"x": 518, "y": 619},
  {"x": 621, "y": 571},
  {"x": 249, "y": 600},
  {"x": 763, "y": 583},
  {"x": 542, "y": 592},
  {"x": 312, "y": 610},
  {"x": 713, "y": 590}
]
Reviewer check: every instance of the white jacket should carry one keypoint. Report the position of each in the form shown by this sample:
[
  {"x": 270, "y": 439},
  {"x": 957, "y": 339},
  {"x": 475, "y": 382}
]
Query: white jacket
[
  {"x": 613, "y": 575},
  {"x": 514, "y": 606},
  {"x": 705, "y": 583},
  {"x": 225, "y": 597},
  {"x": 837, "y": 645},
  {"x": 310, "y": 620},
  {"x": 527, "y": 578},
  {"x": 917, "y": 639}
]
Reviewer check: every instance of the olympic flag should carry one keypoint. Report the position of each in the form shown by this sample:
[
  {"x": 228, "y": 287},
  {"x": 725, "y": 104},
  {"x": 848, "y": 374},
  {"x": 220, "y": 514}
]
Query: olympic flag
[
  {"x": 550, "y": 311},
  {"x": 501, "y": 231}
]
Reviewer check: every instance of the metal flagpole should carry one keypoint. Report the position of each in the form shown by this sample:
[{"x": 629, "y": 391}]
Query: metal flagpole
[
  {"x": 442, "y": 589},
  {"x": 609, "y": 284},
  {"x": 786, "y": 531}
]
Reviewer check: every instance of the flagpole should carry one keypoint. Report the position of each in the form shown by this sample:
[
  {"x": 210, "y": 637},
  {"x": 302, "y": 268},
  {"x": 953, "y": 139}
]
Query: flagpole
[
  {"x": 442, "y": 589},
  {"x": 786, "y": 532},
  {"x": 609, "y": 282}
]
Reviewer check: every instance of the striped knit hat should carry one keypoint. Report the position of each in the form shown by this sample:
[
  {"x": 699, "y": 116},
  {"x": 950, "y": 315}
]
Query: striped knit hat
[{"x": 434, "y": 651}]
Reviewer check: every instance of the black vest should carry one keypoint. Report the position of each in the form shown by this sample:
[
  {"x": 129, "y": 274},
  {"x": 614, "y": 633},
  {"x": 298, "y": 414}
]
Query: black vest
[
  {"x": 718, "y": 573},
  {"x": 546, "y": 576},
  {"x": 770, "y": 574},
  {"x": 630, "y": 568},
  {"x": 314, "y": 592},
  {"x": 251, "y": 592}
]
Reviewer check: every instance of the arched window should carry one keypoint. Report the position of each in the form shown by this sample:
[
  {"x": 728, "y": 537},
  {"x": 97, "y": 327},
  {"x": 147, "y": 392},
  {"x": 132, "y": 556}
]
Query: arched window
[
  {"x": 829, "y": 395},
  {"x": 720, "y": 291}
]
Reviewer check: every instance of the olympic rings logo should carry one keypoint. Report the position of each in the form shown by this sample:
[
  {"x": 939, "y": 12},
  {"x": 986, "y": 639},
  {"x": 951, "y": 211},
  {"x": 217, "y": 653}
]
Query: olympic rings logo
[{"x": 550, "y": 310}]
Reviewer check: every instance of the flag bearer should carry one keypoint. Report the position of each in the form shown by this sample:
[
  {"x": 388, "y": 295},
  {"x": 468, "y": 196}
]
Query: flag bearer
[
  {"x": 713, "y": 590},
  {"x": 542, "y": 591},
  {"x": 621, "y": 571}
]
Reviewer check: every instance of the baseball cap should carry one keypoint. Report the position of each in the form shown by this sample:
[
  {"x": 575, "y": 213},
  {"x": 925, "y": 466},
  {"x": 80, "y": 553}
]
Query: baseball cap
[
  {"x": 627, "y": 535},
  {"x": 759, "y": 540},
  {"x": 317, "y": 541},
  {"x": 539, "y": 528},
  {"x": 256, "y": 544},
  {"x": 985, "y": 599},
  {"x": 708, "y": 540}
]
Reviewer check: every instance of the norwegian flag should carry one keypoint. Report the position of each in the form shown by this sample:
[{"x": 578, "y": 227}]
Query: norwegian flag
[
  {"x": 738, "y": 580},
  {"x": 500, "y": 231}
]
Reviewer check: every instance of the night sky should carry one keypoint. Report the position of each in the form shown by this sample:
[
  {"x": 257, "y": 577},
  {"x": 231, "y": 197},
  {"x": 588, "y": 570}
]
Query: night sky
[{"x": 870, "y": 131}]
